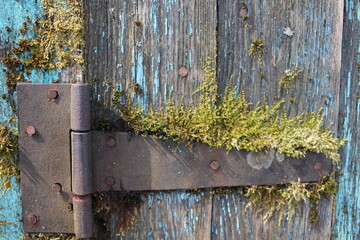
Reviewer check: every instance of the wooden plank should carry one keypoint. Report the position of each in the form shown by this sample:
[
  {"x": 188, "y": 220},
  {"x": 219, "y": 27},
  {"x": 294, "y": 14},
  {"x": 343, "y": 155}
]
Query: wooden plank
[
  {"x": 12, "y": 15},
  {"x": 315, "y": 48},
  {"x": 144, "y": 44},
  {"x": 172, "y": 215},
  {"x": 347, "y": 218}
]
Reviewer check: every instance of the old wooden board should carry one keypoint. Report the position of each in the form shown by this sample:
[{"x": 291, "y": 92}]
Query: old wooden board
[
  {"x": 315, "y": 47},
  {"x": 139, "y": 47},
  {"x": 122, "y": 162},
  {"x": 347, "y": 218},
  {"x": 12, "y": 15}
]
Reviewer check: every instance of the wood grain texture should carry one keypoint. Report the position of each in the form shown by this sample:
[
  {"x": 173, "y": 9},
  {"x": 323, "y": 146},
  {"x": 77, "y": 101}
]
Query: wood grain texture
[
  {"x": 347, "y": 217},
  {"x": 232, "y": 220},
  {"x": 12, "y": 14},
  {"x": 173, "y": 215},
  {"x": 315, "y": 48},
  {"x": 145, "y": 43}
]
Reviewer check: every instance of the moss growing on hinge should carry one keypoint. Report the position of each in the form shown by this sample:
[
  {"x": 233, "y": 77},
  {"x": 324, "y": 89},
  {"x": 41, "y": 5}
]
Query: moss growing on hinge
[
  {"x": 57, "y": 42},
  {"x": 285, "y": 199},
  {"x": 232, "y": 122},
  {"x": 288, "y": 77},
  {"x": 256, "y": 49}
]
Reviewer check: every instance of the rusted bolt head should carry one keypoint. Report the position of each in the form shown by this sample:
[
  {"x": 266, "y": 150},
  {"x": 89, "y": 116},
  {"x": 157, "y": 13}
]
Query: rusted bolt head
[
  {"x": 243, "y": 12},
  {"x": 30, "y": 130},
  {"x": 318, "y": 166},
  {"x": 53, "y": 94},
  {"x": 31, "y": 219},
  {"x": 214, "y": 165},
  {"x": 56, "y": 187},
  {"x": 183, "y": 71},
  {"x": 110, "y": 142},
  {"x": 110, "y": 181}
]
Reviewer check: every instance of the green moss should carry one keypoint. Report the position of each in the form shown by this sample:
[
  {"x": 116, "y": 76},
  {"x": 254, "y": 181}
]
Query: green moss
[
  {"x": 42, "y": 236},
  {"x": 117, "y": 96},
  {"x": 137, "y": 89},
  {"x": 232, "y": 122},
  {"x": 285, "y": 199},
  {"x": 138, "y": 23},
  {"x": 256, "y": 49},
  {"x": 57, "y": 42},
  {"x": 104, "y": 124},
  {"x": 121, "y": 204},
  {"x": 8, "y": 157},
  {"x": 9, "y": 167},
  {"x": 288, "y": 77}
]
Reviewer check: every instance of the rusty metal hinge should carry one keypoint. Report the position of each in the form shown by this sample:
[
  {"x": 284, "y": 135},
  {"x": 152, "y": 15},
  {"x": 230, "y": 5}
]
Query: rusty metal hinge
[{"x": 62, "y": 161}]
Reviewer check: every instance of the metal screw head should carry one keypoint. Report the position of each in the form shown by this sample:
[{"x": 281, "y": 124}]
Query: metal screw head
[
  {"x": 30, "y": 130},
  {"x": 56, "y": 187},
  {"x": 243, "y": 12},
  {"x": 214, "y": 165},
  {"x": 110, "y": 181},
  {"x": 318, "y": 166},
  {"x": 53, "y": 94},
  {"x": 183, "y": 71},
  {"x": 110, "y": 142},
  {"x": 31, "y": 219}
]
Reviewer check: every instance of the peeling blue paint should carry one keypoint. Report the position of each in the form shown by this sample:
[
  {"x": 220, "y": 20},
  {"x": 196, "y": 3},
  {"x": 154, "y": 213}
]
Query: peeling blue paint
[{"x": 12, "y": 14}]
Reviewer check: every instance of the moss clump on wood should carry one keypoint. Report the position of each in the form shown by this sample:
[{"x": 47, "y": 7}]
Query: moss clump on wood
[
  {"x": 57, "y": 42},
  {"x": 121, "y": 204},
  {"x": 42, "y": 236},
  {"x": 285, "y": 199},
  {"x": 256, "y": 49},
  {"x": 232, "y": 122},
  {"x": 8, "y": 157},
  {"x": 288, "y": 77}
]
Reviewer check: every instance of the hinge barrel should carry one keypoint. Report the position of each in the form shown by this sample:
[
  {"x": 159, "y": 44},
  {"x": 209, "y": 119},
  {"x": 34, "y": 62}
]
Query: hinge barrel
[
  {"x": 81, "y": 159},
  {"x": 80, "y": 107},
  {"x": 81, "y": 163},
  {"x": 83, "y": 222}
]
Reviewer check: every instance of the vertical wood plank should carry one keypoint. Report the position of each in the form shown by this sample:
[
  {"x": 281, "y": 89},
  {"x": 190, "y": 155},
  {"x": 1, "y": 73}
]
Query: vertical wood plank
[
  {"x": 144, "y": 44},
  {"x": 315, "y": 48},
  {"x": 173, "y": 215},
  {"x": 12, "y": 14},
  {"x": 347, "y": 217}
]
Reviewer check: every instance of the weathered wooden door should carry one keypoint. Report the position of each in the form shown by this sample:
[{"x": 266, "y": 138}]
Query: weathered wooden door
[{"x": 142, "y": 44}]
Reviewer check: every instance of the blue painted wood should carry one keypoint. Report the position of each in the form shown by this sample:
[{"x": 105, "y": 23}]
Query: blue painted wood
[
  {"x": 12, "y": 15},
  {"x": 347, "y": 214}
]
